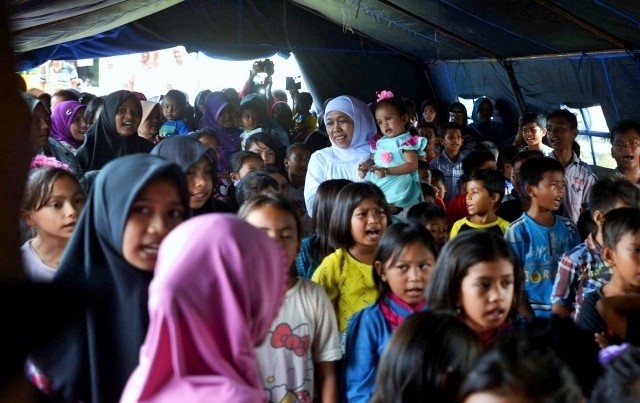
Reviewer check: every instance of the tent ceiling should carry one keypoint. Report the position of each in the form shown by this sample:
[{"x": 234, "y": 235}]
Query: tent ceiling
[
  {"x": 38, "y": 24},
  {"x": 426, "y": 29}
]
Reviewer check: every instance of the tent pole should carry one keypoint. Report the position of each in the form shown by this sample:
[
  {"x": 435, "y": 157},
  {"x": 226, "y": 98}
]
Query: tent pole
[
  {"x": 515, "y": 88},
  {"x": 550, "y": 56}
]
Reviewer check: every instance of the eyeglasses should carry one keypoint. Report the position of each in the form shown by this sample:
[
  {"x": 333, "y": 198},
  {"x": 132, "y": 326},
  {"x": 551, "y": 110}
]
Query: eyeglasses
[
  {"x": 459, "y": 113},
  {"x": 621, "y": 145}
]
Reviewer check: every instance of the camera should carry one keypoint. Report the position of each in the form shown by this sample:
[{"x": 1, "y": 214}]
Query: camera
[
  {"x": 291, "y": 84},
  {"x": 264, "y": 66}
]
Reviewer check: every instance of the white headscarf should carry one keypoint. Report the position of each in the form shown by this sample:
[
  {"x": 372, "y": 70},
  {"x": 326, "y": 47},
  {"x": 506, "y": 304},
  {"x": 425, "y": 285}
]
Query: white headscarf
[{"x": 364, "y": 128}]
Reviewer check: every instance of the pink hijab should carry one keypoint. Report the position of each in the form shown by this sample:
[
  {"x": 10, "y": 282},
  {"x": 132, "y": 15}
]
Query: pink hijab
[{"x": 218, "y": 285}]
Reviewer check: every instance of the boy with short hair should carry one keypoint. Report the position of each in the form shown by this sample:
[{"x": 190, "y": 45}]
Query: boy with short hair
[
  {"x": 534, "y": 128},
  {"x": 424, "y": 173},
  {"x": 475, "y": 160},
  {"x": 450, "y": 161},
  {"x": 485, "y": 191},
  {"x": 539, "y": 237},
  {"x": 562, "y": 130},
  {"x": 582, "y": 270},
  {"x": 428, "y": 130},
  {"x": 304, "y": 123},
  {"x": 625, "y": 149},
  {"x": 433, "y": 218},
  {"x": 173, "y": 110}
]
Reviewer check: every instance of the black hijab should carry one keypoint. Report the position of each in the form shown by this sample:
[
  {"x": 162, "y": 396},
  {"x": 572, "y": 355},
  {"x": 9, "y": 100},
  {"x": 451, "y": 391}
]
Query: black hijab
[
  {"x": 93, "y": 360},
  {"x": 102, "y": 141},
  {"x": 187, "y": 151}
]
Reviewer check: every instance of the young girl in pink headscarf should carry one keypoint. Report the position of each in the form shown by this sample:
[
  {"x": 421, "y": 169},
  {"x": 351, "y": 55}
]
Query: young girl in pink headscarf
[{"x": 210, "y": 304}]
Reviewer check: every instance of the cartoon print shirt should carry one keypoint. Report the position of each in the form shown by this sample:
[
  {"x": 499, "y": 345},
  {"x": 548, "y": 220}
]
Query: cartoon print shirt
[{"x": 305, "y": 331}]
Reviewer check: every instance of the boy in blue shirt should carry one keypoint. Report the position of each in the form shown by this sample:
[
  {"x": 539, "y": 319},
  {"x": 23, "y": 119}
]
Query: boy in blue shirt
[
  {"x": 173, "y": 109},
  {"x": 539, "y": 237}
]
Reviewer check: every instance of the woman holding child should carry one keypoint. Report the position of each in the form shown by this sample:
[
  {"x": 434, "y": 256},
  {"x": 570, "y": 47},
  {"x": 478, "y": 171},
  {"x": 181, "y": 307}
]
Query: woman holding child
[{"x": 350, "y": 126}]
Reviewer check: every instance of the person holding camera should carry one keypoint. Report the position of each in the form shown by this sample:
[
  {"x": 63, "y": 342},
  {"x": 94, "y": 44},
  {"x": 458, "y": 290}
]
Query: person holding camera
[{"x": 259, "y": 69}]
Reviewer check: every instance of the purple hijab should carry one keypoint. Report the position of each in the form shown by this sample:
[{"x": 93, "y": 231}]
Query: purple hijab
[
  {"x": 61, "y": 119},
  {"x": 228, "y": 137}
]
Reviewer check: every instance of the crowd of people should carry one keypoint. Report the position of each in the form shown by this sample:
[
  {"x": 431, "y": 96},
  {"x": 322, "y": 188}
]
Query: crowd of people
[{"x": 241, "y": 250}]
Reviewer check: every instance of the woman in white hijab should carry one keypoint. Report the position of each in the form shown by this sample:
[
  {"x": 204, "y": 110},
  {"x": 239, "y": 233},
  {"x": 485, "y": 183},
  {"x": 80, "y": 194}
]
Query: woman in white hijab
[{"x": 350, "y": 126}]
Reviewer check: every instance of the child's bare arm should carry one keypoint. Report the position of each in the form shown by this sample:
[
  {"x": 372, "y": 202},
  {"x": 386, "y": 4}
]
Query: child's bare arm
[
  {"x": 365, "y": 167},
  {"x": 410, "y": 165},
  {"x": 561, "y": 311},
  {"x": 524, "y": 309},
  {"x": 327, "y": 381}
]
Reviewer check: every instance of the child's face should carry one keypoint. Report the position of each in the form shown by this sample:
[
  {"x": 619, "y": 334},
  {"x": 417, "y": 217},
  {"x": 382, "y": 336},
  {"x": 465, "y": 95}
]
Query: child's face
[
  {"x": 225, "y": 119},
  {"x": 626, "y": 150},
  {"x": 479, "y": 201},
  {"x": 533, "y": 134},
  {"x": 249, "y": 165},
  {"x": 200, "y": 181},
  {"x": 40, "y": 127},
  {"x": 625, "y": 259},
  {"x": 390, "y": 122},
  {"x": 368, "y": 223},
  {"x": 549, "y": 192},
  {"x": 409, "y": 275},
  {"x": 282, "y": 182},
  {"x": 515, "y": 175},
  {"x": 212, "y": 143},
  {"x": 560, "y": 133},
  {"x": 171, "y": 109},
  {"x": 78, "y": 125},
  {"x": 425, "y": 175},
  {"x": 250, "y": 120},
  {"x": 485, "y": 111},
  {"x": 429, "y": 113},
  {"x": 428, "y": 133},
  {"x": 453, "y": 141},
  {"x": 280, "y": 226},
  {"x": 57, "y": 218},
  {"x": 298, "y": 162},
  {"x": 268, "y": 155},
  {"x": 128, "y": 117},
  {"x": 441, "y": 189},
  {"x": 155, "y": 211},
  {"x": 439, "y": 230},
  {"x": 486, "y": 294}
]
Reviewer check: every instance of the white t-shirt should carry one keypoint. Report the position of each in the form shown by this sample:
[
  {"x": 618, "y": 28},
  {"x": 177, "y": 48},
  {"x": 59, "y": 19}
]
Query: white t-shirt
[
  {"x": 33, "y": 266},
  {"x": 305, "y": 331}
]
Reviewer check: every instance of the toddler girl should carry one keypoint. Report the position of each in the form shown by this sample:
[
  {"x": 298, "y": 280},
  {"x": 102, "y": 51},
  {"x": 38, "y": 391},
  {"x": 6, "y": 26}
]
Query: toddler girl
[
  {"x": 358, "y": 220},
  {"x": 303, "y": 341},
  {"x": 68, "y": 124},
  {"x": 403, "y": 263},
  {"x": 318, "y": 246},
  {"x": 198, "y": 162},
  {"x": 211, "y": 303},
  {"x": 395, "y": 154},
  {"x": 53, "y": 200},
  {"x": 478, "y": 276},
  {"x": 135, "y": 201}
]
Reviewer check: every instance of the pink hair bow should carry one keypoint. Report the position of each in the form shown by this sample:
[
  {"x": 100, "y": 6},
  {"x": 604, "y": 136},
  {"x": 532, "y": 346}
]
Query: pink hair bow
[{"x": 384, "y": 94}]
